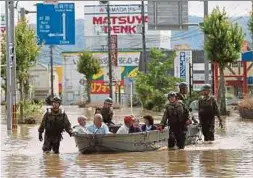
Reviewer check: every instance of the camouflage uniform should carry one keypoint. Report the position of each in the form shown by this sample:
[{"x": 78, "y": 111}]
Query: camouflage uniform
[
  {"x": 107, "y": 113},
  {"x": 208, "y": 109},
  {"x": 181, "y": 96},
  {"x": 54, "y": 123},
  {"x": 176, "y": 114}
]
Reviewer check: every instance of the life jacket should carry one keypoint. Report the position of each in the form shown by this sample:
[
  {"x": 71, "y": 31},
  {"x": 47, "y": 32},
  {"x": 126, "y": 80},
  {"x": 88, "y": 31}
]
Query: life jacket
[
  {"x": 176, "y": 112},
  {"x": 206, "y": 106},
  {"x": 54, "y": 123}
]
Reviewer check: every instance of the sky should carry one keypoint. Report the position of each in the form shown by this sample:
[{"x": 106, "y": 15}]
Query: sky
[{"x": 234, "y": 8}]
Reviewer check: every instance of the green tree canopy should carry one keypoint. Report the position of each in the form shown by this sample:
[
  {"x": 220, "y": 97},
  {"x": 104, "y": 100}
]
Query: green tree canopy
[
  {"x": 153, "y": 85},
  {"x": 88, "y": 66},
  {"x": 223, "y": 44}
]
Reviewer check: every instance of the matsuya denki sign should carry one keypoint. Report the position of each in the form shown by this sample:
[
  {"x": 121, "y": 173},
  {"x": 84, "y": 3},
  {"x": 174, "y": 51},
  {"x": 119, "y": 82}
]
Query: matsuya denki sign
[{"x": 125, "y": 19}]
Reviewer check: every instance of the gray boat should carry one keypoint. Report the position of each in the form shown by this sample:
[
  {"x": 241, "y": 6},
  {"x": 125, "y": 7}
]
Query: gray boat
[{"x": 133, "y": 142}]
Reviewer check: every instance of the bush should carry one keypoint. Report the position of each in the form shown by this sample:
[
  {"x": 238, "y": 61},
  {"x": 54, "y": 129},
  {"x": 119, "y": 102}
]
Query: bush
[
  {"x": 246, "y": 108},
  {"x": 31, "y": 109}
]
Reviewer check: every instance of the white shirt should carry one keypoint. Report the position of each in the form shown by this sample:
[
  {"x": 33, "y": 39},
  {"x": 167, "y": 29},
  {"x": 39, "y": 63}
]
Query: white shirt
[
  {"x": 81, "y": 129},
  {"x": 123, "y": 130}
]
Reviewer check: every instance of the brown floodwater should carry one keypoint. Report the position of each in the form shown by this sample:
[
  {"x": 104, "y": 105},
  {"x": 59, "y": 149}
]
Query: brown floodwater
[{"x": 231, "y": 155}]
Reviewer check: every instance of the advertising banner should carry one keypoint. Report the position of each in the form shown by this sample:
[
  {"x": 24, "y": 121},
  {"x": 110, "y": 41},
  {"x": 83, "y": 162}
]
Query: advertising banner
[{"x": 98, "y": 87}]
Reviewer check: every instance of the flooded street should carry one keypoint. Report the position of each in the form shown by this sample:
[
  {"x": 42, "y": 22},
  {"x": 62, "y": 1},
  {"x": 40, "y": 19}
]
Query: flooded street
[{"x": 230, "y": 156}]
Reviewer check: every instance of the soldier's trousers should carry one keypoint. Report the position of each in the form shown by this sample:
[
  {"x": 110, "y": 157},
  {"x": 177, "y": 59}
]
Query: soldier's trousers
[
  {"x": 208, "y": 129},
  {"x": 177, "y": 136},
  {"x": 51, "y": 144}
]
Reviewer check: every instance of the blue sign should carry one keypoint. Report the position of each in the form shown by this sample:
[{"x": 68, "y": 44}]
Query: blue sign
[
  {"x": 56, "y": 24},
  {"x": 247, "y": 56},
  {"x": 250, "y": 80},
  {"x": 182, "y": 66}
]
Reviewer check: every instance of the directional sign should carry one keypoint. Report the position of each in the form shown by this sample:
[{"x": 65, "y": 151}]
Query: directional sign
[{"x": 56, "y": 24}]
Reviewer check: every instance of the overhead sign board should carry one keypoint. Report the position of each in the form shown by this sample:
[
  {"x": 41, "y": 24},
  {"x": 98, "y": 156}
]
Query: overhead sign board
[
  {"x": 167, "y": 15},
  {"x": 56, "y": 24}
]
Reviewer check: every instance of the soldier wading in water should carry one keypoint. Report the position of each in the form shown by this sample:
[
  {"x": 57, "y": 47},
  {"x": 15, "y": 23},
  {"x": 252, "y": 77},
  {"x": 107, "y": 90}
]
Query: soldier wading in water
[
  {"x": 208, "y": 109},
  {"x": 182, "y": 94},
  {"x": 54, "y": 122},
  {"x": 178, "y": 118}
]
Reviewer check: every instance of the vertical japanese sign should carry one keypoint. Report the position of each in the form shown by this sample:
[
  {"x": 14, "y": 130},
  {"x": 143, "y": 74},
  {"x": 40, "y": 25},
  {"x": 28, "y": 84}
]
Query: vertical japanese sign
[
  {"x": 114, "y": 50},
  {"x": 182, "y": 66}
]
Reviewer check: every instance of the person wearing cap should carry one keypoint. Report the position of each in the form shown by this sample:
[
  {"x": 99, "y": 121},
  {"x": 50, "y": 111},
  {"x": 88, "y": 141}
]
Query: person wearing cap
[
  {"x": 136, "y": 126},
  {"x": 98, "y": 127},
  {"x": 183, "y": 91},
  {"x": 54, "y": 122},
  {"x": 107, "y": 111},
  {"x": 177, "y": 117},
  {"x": 208, "y": 109},
  {"x": 81, "y": 128},
  {"x": 128, "y": 122}
]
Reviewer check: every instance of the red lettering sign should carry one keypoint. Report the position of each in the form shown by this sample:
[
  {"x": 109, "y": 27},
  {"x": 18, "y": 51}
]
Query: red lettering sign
[
  {"x": 120, "y": 24},
  {"x": 98, "y": 87}
]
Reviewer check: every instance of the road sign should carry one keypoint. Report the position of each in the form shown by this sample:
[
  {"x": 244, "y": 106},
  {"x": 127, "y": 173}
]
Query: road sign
[
  {"x": 56, "y": 24},
  {"x": 167, "y": 15}
]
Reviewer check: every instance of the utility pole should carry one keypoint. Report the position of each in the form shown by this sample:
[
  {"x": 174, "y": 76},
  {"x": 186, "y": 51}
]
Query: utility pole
[
  {"x": 52, "y": 70},
  {"x": 144, "y": 55},
  {"x": 8, "y": 69},
  {"x": 109, "y": 48},
  {"x": 205, "y": 54},
  {"x": 13, "y": 60}
]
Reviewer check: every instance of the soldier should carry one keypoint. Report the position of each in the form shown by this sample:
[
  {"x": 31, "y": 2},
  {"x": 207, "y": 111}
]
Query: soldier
[
  {"x": 182, "y": 94},
  {"x": 107, "y": 111},
  {"x": 54, "y": 122},
  {"x": 208, "y": 109},
  {"x": 178, "y": 118}
]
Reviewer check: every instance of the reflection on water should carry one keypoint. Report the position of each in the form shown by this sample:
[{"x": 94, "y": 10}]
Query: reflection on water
[{"x": 230, "y": 156}]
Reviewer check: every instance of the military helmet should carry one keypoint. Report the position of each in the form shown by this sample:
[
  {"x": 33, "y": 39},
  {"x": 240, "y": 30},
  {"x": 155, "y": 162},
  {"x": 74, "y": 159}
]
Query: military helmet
[
  {"x": 56, "y": 99},
  {"x": 108, "y": 100},
  {"x": 206, "y": 87},
  {"x": 183, "y": 85},
  {"x": 172, "y": 94}
]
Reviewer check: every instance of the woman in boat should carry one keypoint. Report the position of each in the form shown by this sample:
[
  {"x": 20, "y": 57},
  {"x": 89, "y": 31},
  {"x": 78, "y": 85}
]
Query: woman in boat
[{"x": 149, "y": 124}]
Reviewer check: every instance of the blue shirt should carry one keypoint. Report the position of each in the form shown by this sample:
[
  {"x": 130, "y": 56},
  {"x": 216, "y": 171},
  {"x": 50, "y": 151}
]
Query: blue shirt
[{"x": 102, "y": 130}]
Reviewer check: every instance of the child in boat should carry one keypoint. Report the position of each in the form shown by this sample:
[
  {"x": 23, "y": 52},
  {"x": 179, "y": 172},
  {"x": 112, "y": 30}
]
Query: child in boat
[{"x": 149, "y": 124}]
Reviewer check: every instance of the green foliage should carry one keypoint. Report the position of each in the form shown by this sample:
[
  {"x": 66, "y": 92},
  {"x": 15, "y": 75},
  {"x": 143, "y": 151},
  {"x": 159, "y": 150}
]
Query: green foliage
[
  {"x": 224, "y": 39},
  {"x": 223, "y": 45},
  {"x": 152, "y": 86},
  {"x": 31, "y": 109},
  {"x": 250, "y": 25},
  {"x": 88, "y": 66},
  {"x": 194, "y": 96}
]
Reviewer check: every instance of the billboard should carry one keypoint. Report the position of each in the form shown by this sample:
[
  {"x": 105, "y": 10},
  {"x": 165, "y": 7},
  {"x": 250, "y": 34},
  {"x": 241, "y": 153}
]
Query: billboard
[
  {"x": 181, "y": 65},
  {"x": 125, "y": 19}
]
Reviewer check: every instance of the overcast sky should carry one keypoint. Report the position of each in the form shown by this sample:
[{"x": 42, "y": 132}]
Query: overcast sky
[{"x": 234, "y": 8}]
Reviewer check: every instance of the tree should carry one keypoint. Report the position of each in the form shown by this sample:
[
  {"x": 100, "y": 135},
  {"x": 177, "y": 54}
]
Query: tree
[
  {"x": 152, "y": 86},
  {"x": 223, "y": 45},
  {"x": 250, "y": 25},
  {"x": 88, "y": 66},
  {"x": 26, "y": 52}
]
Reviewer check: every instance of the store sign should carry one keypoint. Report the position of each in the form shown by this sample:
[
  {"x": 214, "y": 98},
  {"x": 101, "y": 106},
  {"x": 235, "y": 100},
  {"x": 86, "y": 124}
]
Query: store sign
[
  {"x": 124, "y": 58},
  {"x": 99, "y": 87},
  {"x": 125, "y": 19}
]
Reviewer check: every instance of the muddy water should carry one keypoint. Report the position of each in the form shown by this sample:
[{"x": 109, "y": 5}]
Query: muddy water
[{"x": 230, "y": 156}]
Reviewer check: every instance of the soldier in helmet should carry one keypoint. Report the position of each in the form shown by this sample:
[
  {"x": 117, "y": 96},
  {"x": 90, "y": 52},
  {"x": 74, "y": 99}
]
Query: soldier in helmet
[
  {"x": 54, "y": 122},
  {"x": 177, "y": 117},
  {"x": 107, "y": 111},
  {"x": 182, "y": 94},
  {"x": 208, "y": 109}
]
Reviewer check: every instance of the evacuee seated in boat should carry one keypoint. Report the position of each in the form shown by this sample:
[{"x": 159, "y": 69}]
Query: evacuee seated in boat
[
  {"x": 136, "y": 126},
  {"x": 98, "y": 127},
  {"x": 149, "y": 124},
  {"x": 81, "y": 128},
  {"x": 128, "y": 122}
]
